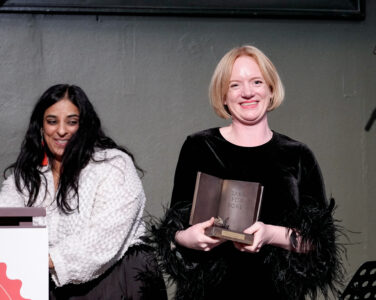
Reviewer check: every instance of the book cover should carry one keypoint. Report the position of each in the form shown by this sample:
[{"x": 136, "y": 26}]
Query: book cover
[{"x": 234, "y": 204}]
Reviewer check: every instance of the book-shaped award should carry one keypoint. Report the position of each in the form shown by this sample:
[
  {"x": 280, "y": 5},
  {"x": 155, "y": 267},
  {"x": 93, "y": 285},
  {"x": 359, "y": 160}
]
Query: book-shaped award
[{"x": 234, "y": 204}]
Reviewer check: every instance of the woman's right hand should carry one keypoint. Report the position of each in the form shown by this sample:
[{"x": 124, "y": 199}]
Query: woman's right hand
[{"x": 194, "y": 237}]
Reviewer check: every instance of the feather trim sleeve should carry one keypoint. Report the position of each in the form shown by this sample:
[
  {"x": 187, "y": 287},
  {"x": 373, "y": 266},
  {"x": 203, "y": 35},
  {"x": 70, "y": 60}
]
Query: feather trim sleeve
[
  {"x": 298, "y": 274},
  {"x": 188, "y": 268}
]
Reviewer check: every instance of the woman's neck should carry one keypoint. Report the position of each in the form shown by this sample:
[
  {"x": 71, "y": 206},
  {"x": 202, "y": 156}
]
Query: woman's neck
[
  {"x": 247, "y": 135},
  {"x": 55, "y": 167}
]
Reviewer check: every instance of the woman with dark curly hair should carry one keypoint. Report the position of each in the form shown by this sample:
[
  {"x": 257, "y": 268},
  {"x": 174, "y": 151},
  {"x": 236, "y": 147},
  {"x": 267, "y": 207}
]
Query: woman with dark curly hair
[
  {"x": 93, "y": 197},
  {"x": 294, "y": 253}
]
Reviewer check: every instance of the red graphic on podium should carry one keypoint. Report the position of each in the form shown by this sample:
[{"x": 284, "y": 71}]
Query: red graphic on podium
[{"x": 9, "y": 288}]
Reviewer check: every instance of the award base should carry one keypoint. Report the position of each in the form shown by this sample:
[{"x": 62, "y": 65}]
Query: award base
[{"x": 223, "y": 233}]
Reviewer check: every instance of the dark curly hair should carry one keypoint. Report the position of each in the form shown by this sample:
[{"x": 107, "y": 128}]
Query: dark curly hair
[{"x": 77, "y": 153}]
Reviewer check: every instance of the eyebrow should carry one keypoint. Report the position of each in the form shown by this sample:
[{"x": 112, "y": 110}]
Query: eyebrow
[
  {"x": 252, "y": 78},
  {"x": 69, "y": 116}
]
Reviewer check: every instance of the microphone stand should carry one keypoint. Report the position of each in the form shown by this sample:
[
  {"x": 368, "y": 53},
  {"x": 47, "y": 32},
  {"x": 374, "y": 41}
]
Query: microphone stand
[
  {"x": 373, "y": 115},
  {"x": 371, "y": 120}
]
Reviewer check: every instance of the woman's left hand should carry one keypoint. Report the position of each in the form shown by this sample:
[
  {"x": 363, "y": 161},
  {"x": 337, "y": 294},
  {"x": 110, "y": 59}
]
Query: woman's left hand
[{"x": 264, "y": 234}]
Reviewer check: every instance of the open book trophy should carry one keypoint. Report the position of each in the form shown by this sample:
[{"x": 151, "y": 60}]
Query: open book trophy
[{"x": 234, "y": 204}]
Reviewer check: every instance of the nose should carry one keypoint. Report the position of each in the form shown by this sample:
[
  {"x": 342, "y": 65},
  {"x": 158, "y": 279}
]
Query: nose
[
  {"x": 247, "y": 91},
  {"x": 61, "y": 130}
]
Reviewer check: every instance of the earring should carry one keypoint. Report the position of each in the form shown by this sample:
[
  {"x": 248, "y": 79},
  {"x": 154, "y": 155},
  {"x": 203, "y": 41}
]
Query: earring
[{"x": 45, "y": 157}]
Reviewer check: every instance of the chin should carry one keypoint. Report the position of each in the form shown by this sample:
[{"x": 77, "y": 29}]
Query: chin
[
  {"x": 246, "y": 121},
  {"x": 57, "y": 155}
]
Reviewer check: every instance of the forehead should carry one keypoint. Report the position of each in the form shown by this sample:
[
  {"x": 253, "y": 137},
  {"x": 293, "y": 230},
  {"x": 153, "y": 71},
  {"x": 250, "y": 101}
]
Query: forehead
[
  {"x": 63, "y": 107},
  {"x": 245, "y": 66}
]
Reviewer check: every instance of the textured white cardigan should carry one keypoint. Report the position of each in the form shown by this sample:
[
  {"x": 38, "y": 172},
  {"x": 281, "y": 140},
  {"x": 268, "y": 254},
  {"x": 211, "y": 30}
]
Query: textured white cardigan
[{"x": 84, "y": 244}]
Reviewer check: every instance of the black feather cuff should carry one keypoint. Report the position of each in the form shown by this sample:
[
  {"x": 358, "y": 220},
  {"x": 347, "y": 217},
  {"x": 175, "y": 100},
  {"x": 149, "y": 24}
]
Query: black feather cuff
[
  {"x": 191, "y": 270},
  {"x": 296, "y": 274}
]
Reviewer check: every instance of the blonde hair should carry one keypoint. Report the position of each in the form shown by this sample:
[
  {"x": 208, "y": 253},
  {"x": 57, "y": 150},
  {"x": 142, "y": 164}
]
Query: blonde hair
[{"x": 221, "y": 77}]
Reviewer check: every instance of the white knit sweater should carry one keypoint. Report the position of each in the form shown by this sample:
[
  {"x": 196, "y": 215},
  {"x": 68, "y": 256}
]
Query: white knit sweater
[{"x": 84, "y": 244}]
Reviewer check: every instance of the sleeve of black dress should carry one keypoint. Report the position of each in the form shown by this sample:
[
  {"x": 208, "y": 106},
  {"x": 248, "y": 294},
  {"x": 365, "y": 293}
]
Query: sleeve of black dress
[
  {"x": 302, "y": 274},
  {"x": 185, "y": 174},
  {"x": 186, "y": 267}
]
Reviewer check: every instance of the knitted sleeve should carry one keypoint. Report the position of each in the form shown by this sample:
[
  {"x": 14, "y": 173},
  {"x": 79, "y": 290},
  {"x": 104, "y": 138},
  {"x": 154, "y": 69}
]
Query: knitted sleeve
[
  {"x": 115, "y": 223},
  {"x": 9, "y": 195}
]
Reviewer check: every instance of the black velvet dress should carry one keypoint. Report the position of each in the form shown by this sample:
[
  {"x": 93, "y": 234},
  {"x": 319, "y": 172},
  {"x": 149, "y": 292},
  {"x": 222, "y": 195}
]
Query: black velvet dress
[{"x": 294, "y": 197}]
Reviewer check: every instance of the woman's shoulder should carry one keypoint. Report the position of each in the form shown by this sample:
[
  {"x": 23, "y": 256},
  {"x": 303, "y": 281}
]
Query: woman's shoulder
[
  {"x": 109, "y": 154},
  {"x": 200, "y": 138},
  {"x": 284, "y": 140},
  {"x": 110, "y": 161},
  {"x": 109, "y": 158},
  {"x": 291, "y": 145},
  {"x": 205, "y": 133}
]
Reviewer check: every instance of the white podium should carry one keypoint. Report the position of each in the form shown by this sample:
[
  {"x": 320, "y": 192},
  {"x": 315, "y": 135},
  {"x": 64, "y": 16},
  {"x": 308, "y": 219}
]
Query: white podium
[{"x": 23, "y": 255}]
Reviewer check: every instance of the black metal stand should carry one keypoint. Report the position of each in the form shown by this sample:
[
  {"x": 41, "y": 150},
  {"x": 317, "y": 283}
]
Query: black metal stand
[{"x": 371, "y": 120}]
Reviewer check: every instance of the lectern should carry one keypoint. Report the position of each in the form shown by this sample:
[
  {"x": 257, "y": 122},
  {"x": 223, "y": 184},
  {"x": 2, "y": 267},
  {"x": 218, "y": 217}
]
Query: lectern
[{"x": 23, "y": 254}]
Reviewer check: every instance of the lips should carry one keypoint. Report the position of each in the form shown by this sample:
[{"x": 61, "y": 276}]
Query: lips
[
  {"x": 61, "y": 143},
  {"x": 249, "y": 103}
]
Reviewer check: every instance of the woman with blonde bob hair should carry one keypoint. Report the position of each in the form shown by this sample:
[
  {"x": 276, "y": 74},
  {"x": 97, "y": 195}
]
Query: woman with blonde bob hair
[
  {"x": 219, "y": 83},
  {"x": 294, "y": 252}
]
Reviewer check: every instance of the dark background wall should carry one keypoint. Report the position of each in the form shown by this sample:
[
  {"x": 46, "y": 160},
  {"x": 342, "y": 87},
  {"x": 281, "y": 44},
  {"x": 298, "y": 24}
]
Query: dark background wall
[{"x": 148, "y": 76}]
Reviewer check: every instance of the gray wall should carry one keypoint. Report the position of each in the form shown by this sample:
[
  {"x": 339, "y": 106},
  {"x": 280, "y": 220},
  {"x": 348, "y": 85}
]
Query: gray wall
[{"x": 148, "y": 79}]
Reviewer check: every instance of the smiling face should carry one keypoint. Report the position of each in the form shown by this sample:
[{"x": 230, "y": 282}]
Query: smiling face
[
  {"x": 248, "y": 95},
  {"x": 60, "y": 122}
]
